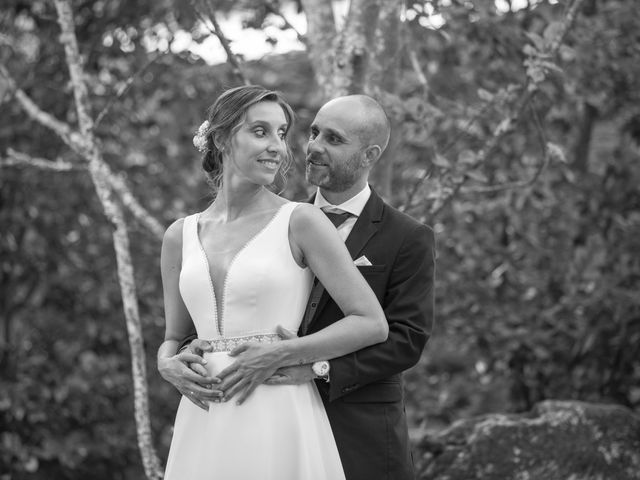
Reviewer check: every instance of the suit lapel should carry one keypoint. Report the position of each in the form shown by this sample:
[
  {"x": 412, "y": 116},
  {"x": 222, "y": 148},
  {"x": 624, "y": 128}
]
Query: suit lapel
[{"x": 365, "y": 227}]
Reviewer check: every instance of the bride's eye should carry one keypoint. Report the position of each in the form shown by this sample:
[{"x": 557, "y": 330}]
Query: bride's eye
[{"x": 260, "y": 132}]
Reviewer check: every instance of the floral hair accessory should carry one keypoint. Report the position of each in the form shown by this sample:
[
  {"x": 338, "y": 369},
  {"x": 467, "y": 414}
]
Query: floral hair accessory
[{"x": 200, "y": 138}]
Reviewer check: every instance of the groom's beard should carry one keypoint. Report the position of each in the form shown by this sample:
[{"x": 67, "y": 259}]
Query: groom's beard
[{"x": 332, "y": 176}]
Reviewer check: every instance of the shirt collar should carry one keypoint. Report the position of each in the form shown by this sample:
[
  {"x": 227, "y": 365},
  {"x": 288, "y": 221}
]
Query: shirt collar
[{"x": 354, "y": 205}]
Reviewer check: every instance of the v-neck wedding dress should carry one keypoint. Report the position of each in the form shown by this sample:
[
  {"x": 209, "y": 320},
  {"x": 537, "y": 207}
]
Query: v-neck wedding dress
[{"x": 280, "y": 432}]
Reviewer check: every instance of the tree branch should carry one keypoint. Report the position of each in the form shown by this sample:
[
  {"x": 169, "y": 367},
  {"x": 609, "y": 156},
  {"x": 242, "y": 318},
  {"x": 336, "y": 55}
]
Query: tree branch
[
  {"x": 79, "y": 144},
  {"x": 123, "y": 89},
  {"x": 74, "y": 63},
  {"x": 408, "y": 204},
  {"x": 271, "y": 8},
  {"x": 413, "y": 59},
  {"x": 63, "y": 130},
  {"x": 507, "y": 124},
  {"x": 217, "y": 31},
  {"x": 569, "y": 19},
  {"x": 19, "y": 159},
  {"x": 524, "y": 183},
  {"x": 141, "y": 214}
]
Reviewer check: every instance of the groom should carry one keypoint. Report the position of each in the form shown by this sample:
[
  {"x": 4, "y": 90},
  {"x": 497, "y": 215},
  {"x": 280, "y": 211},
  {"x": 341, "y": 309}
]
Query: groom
[{"x": 362, "y": 392}]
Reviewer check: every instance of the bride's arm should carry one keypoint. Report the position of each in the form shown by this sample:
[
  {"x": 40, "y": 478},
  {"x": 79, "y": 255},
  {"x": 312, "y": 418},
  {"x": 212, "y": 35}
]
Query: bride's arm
[
  {"x": 175, "y": 367},
  {"x": 314, "y": 240},
  {"x": 324, "y": 252}
]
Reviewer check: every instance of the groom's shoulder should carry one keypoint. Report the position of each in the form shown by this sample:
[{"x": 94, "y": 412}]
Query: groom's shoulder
[{"x": 402, "y": 220}]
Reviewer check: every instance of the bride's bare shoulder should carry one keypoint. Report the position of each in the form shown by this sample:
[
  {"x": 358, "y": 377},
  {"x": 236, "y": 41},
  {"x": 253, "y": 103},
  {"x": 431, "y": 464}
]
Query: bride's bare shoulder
[
  {"x": 305, "y": 215},
  {"x": 173, "y": 234}
]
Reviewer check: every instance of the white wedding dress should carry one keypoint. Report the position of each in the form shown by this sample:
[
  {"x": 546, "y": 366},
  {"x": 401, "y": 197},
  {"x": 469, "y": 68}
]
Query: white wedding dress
[{"x": 280, "y": 432}]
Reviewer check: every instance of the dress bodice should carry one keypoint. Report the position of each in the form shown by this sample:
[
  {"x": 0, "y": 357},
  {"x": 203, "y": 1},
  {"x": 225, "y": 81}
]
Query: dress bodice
[{"x": 262, "y": 287}]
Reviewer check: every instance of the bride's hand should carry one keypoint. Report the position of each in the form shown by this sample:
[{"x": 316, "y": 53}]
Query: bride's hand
[{"x": 181, "y": 371}]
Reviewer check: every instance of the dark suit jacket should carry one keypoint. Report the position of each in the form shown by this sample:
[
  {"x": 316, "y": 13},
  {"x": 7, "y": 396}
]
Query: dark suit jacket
[{"x": 364, "y": 398}]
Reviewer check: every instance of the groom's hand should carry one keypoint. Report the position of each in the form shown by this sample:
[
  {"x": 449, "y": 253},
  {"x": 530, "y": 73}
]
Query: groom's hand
[
  {"x": 255, "y": 363},
  {"x": 296, "y": 375}
]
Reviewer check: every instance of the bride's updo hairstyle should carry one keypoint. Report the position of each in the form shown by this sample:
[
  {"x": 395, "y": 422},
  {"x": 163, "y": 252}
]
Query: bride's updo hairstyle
[{"x": 225, "y": 117}]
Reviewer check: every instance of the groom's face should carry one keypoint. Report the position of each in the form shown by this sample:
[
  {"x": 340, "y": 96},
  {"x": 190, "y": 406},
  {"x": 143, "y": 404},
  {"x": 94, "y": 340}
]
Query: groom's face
[{"x": 335, "y": 150}]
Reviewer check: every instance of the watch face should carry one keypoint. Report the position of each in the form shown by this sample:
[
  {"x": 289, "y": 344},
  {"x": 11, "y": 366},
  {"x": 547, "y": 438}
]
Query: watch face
[{"x": 320, "y": 368}]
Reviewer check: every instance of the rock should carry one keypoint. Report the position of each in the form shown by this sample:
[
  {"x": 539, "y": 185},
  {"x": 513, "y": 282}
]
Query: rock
[{"x": 557, "y": 440}]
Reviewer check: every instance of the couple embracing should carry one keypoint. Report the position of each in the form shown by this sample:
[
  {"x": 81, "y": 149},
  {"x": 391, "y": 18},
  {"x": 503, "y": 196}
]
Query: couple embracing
[{"x": 305, "y": 314}]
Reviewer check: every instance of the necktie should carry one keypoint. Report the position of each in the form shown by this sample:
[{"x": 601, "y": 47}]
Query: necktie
[{"x": 337, "y": 218}]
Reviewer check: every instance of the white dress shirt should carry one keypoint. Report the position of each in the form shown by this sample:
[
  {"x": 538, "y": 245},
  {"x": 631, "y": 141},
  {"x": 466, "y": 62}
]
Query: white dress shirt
[{"x": 354, "y": 206}]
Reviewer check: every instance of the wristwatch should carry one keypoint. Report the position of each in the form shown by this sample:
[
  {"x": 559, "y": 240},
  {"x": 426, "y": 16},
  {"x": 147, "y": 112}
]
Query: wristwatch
[{"x": 321, "y": 369}]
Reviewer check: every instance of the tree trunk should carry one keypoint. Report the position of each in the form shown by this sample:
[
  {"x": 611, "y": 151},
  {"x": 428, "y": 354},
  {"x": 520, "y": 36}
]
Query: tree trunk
[
  {"x": 354, "y": 49},
  {"x": 100, "y": 175},
  {"x": 383, "y": 80},
  {"x": 321, "y": 35}
]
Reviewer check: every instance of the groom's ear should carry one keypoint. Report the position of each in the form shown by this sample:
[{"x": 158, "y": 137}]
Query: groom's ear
[{"x": 371, "y": 155}]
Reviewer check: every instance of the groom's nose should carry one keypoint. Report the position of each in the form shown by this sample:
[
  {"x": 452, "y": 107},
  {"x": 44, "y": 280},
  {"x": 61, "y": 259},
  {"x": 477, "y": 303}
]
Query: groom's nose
[{"x": 313, "y": 146}]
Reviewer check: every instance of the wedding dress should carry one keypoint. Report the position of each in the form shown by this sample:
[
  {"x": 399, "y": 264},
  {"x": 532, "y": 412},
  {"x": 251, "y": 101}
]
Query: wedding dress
[{"x": 280, "y": 432}]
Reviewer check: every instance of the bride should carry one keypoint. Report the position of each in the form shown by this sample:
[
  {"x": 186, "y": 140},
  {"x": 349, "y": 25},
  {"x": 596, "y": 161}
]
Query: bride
[{"x": 239, "y": 271}]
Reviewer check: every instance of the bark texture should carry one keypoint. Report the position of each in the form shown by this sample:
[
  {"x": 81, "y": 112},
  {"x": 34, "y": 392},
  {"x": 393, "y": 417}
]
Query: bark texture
[
  {"x": 320, "y": 37},
  {"x": 383, "y": 86}
]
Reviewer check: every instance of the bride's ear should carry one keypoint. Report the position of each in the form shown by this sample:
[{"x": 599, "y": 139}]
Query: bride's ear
[{"x": 219, "y": 143}]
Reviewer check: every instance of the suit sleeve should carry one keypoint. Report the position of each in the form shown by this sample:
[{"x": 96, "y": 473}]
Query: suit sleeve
[
  {"x": 187, "y": 340},
  {"x": 408, "y": 305}
]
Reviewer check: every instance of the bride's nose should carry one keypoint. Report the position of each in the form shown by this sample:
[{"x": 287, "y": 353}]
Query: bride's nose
[{"x": 276, "y": 145}]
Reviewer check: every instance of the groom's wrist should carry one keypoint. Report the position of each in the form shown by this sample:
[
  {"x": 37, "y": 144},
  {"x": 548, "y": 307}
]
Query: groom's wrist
[{"x": 321, "y": 370}]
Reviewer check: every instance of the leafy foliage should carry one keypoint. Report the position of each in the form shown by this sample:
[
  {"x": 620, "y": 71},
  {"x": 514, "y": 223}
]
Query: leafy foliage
[{"x": 537, "y": 285}]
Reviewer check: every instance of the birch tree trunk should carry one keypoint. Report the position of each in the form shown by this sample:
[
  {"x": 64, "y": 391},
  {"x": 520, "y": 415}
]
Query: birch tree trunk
[{"x": 112, "y": 209}]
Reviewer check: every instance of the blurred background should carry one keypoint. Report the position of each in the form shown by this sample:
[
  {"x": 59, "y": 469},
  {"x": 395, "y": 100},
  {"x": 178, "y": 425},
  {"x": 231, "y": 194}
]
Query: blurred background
[{"x": 516, "y": 137}]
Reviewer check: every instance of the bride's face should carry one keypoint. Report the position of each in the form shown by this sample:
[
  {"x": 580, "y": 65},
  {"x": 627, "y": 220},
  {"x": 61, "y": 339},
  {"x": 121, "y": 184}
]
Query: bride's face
[{"x": 257, "y": 148}]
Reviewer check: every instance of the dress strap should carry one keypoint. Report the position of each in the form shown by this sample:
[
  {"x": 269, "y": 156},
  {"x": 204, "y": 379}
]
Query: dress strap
[
  {"x": 283, "y": 217},
  {"x": 189, "y": 234}
]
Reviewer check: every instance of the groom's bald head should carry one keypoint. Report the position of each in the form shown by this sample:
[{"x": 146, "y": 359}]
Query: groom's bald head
[{"x": 366, "y": 117}]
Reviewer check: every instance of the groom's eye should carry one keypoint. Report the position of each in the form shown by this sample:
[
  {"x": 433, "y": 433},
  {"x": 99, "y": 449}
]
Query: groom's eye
[{"x": 313, "y": 133}]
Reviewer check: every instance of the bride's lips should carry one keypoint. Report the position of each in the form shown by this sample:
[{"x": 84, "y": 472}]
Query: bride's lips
[{"x": 271, "y": 163}]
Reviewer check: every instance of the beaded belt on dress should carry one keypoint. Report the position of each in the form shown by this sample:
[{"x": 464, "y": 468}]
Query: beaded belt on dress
[{"x": 227, "y": 344}]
